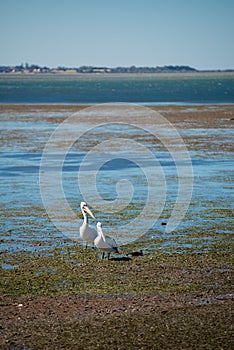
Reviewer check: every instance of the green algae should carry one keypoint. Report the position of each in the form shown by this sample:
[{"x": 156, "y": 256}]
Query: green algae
[
  {"x": 78, "y": 271},
  {"x": 73, "y": 271}
]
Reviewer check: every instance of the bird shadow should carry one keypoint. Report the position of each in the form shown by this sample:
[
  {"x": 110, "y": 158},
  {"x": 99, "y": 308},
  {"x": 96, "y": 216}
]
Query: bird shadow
[{"x": 121, "y": 258}]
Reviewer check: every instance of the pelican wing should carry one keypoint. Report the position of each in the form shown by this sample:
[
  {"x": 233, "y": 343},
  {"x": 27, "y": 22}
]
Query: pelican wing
[{"x": 111, "y": 242}]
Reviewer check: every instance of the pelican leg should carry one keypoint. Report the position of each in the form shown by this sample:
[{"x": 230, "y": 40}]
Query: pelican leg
[
  {"x": 108, "y": 256},
  {"x": 103, "y": 255},
  {"x": 86, "y": 246}
]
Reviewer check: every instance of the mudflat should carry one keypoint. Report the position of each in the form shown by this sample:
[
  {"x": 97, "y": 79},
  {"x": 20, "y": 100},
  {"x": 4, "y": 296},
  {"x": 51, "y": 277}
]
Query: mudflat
[
  {"x": 66, "y": 297},
  {"x": 186, "y": 116},
  {"x": 74, "y": 300}
]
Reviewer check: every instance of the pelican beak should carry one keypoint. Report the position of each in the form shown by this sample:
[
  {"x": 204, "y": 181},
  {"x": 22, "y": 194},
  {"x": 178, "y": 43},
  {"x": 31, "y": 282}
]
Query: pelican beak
[{"x": 88, "y": 211}]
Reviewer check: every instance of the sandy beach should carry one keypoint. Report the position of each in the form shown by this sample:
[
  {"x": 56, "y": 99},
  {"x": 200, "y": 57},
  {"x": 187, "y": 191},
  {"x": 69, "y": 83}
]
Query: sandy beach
[{"x": 68, "y": 298}]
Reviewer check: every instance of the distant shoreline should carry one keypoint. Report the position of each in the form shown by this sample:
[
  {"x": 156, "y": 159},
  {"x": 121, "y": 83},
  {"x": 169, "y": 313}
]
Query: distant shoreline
[
  {"x": 36, "y": 69},
  {"x": 119, "y": 73}
]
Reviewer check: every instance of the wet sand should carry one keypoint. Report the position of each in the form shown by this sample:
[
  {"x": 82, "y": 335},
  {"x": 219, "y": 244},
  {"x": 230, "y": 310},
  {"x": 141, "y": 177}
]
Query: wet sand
[
  {"x": 196, "y": 116},
  {"x": 70, "y": 299}
]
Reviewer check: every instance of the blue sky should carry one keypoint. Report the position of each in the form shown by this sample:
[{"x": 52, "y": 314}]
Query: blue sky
[{"x": 118, "y": 33}]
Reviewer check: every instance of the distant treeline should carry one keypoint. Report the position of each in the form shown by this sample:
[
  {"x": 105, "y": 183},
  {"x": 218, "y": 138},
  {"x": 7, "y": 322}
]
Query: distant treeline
[{"x": 33, "y": 68}]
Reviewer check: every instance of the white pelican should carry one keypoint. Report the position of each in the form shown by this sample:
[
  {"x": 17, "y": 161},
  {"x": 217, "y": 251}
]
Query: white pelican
[
  {"x": 87, "y": 233},
  {"x": 105, "y": 243}
]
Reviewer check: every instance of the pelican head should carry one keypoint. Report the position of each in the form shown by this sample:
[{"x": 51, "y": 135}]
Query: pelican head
[{"x": 85, "y": 209}]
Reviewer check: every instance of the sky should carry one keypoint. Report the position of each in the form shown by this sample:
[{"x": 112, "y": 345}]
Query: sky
[{"x": 72, "y": 33}]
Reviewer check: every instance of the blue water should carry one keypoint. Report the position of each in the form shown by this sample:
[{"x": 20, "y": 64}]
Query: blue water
[
  {"x": 24, "y": 219},
  {"x": 86, "y": 89},
  {"x": 24, "y": 134}
]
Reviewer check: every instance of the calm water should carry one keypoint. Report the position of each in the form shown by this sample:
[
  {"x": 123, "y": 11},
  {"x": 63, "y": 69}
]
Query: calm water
[
  {"x": 157, "y": 88},
  {"x": 25, "y": 224}
]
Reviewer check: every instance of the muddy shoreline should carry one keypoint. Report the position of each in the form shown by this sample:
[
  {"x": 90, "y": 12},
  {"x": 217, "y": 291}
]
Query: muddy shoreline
[
  {"x": 72, "y": 299},
  {"x": 190, "y": 321},
  {"x": 67, "y": 298},
  {"x": 207, "y": 115}
]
